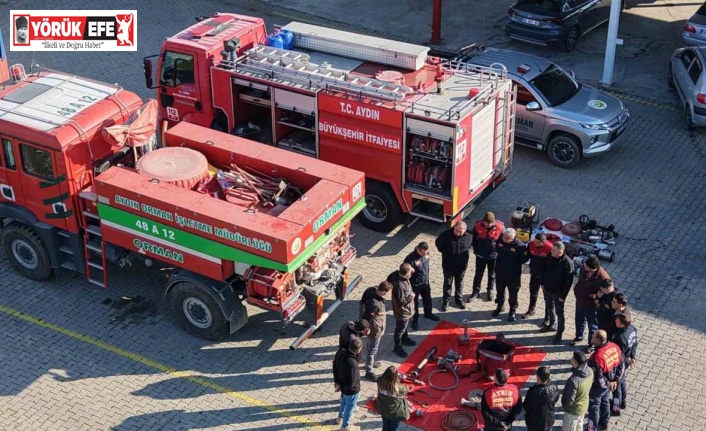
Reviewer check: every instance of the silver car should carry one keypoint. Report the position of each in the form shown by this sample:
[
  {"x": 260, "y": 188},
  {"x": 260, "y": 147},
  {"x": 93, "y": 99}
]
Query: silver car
[
  {"x": 694, "y": 32},
  {"x": 686, "y": 75},
  {"x": 555, "y": 113}
]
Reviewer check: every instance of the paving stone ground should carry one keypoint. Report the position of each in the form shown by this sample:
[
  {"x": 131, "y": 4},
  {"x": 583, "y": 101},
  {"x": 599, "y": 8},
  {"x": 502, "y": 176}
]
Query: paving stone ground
[{"x": 651, "y": 187}]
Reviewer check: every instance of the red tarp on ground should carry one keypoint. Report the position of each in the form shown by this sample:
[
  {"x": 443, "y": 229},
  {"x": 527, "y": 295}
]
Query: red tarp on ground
[{"x": 444, "y": 337}]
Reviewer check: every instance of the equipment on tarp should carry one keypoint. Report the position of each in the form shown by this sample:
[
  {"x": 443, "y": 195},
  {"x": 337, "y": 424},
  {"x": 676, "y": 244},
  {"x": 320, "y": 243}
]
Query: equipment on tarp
[
  {"x": 474, "y": 399},
  {"x": 446, "y": 364},
  {"x": 415, "y": 373},
  {"x": 407, "y": 378},
  {"x": 523, "y": 219},
  {"x": 460, "y": 420},
  {"x": 553, "y": 224},
  {"x": 493, "y": 354},
  {"x": 465, "y": 340}
]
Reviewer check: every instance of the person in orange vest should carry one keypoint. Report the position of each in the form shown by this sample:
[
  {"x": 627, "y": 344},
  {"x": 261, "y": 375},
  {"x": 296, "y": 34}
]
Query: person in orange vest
[
  {"x": 486, "y": 233},
  {"x": 500, "y": 404},
  {"x": 608, "y": 368},
  {"x": 537, "y": 251}
]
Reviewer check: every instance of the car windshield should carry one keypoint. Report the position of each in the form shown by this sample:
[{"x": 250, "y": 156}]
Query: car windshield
[
  {"x": 555, "y": 85},
  {"x": 544, "y": 7}
]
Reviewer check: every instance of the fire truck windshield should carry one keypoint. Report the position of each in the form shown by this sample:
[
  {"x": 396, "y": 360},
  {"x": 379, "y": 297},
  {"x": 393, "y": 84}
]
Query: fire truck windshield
[{"x": 177, "y": 69}]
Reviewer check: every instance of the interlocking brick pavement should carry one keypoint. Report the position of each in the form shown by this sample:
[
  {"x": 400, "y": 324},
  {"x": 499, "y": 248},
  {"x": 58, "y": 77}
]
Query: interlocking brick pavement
[{"x": 651, "y": 187}]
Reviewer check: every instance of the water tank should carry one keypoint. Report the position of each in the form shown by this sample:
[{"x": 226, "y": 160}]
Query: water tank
[
  {"x": 287, "y": 39},
  {"x": 275, "y": 41},
  {"x": 179, "y": 166}
]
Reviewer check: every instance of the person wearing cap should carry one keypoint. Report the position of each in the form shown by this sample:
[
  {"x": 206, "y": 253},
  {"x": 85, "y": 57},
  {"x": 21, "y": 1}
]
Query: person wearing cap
[
  {"x": 21, "y": 27},
  {"x": 586, "y": 289},
  {"x": 537, "y": 251},
  {"x": 419, "y": 259},
  {"x": 512, "y": 255},
  {"x": 574, "y": 399},
  {"x": 500, "y": 404},
  {"x": 352, "y": 330},
  {"x": 486, "y": 232},
  {"x": 454, "y": 245}
]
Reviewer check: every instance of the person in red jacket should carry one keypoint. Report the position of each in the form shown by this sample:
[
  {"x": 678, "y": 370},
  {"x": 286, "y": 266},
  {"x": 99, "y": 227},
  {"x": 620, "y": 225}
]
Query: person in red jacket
[
  {"x": 608, "y": 368},
  {"x": 537, "y": 252},
  {"x": 486, "y": 233},
  {"x": 500, "y": 404},
  {"x": 586, "y": 291}
]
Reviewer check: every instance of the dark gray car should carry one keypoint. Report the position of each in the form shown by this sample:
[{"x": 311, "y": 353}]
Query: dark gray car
[
  {"x": 567, "y": 119},
  {"x": 555, "y": 22}
]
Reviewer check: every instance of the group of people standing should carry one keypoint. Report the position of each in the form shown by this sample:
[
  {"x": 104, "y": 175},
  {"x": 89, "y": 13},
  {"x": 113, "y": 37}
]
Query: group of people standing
[{"x": 597, "y": 385}]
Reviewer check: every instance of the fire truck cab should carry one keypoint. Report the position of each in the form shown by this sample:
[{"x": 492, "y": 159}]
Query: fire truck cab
[
  {"x": 433, "y": 136},
  {"x": 51, "y": 137}
]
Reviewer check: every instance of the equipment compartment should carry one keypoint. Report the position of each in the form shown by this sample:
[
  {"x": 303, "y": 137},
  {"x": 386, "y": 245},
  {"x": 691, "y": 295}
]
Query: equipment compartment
[{"x": 429, "y": 164}]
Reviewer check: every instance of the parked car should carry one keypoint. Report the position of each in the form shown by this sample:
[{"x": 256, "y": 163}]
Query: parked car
[
  {"x": 686, "y": 75},
  {"x": 694, "y": 33},
  {"x": 555, "y": 22},
  {"x": 555, "y": 113}
]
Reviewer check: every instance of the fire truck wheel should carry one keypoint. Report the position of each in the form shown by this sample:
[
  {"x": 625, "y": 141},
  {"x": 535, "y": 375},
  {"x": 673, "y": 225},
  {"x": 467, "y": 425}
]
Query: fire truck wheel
[
  {"x": 382, "y": 212},
  {"x": 564, "y": 151},
  {"x": 26, "y": 252},
  {"x": 197, "y": 312}
]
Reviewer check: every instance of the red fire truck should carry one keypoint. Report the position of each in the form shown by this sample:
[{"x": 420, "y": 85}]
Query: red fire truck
[
  {"x": 232, "y": 219},
  {"x": 433, "y": 136}
]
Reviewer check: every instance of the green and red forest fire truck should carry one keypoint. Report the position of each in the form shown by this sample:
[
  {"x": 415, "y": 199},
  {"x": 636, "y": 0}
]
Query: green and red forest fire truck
[
  {"x": 432, "y": 136},
  {"x": 233, "y": 220}
]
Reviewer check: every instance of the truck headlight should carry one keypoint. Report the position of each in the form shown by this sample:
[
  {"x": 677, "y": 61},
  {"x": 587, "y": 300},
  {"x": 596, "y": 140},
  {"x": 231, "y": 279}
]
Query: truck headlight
[{"x": 595, "y": 126}]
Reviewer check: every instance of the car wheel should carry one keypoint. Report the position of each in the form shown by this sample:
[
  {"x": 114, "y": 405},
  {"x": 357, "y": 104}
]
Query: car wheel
[
  {"x": 564, "y": 151},
  {"x": 571, "y": 39},
  {"x": 382, "y": 212},
  {"x": 689, "y": 119},
  {"x": 670, "y": 77}
]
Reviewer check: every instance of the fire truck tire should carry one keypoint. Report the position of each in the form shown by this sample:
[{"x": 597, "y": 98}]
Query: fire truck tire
[
  {"x": 26, "y": 253},
  {"x": 382, "y": 212},
  {"x": 564, "y": 151},
  {"x": 198, "y": 312}
]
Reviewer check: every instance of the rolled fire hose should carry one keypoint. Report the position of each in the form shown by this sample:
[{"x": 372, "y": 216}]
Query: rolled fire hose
[
  {"x": 460, "y": 420},
  {"x": 447, "y": 367}
]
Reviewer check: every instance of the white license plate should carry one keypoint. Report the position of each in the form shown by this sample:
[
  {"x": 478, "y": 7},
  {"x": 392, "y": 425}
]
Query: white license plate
[
  {"x": 703, "y": 32},
  {"x": 530, "y": 21}
]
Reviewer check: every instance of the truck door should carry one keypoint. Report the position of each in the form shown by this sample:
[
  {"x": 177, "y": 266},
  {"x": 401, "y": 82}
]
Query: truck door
[
  {"x": 40, "y": 184},
  {"x": 178, "y": 90},
  {"x": 10, "y": 182}
]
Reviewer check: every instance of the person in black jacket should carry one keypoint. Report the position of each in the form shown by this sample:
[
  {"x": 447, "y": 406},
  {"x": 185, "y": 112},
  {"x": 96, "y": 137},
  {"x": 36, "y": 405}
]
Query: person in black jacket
[
  {"x": 500, "y": 404},
  {"x": 346, "y": 378},
  {"x": 625, "y": 337},
  {"x": 486, "y": 232},
  {"x": 539, "y": 402},
  {"x": 537, "y": 251},
  {"x": 558, "y": 279},
  {"x": 372, "y": 309},
  {"x": 419, "y": 259},
  {"x": 605, "y": 313},
  {"x": 454, "y": 245},
  {"x": 352, "y": 330},
  {"x": 508, "y": 271}
]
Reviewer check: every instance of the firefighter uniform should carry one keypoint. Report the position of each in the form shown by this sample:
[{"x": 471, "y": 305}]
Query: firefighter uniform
[
  {"x": 538, "y": 266},
  {"x": 608, "y": 366},
  {"x": 484, "y": 240},
  {"x": 626, "y": 339},
  {"x": 508, "y": 273},
  {"x": 500, "y": 406}
]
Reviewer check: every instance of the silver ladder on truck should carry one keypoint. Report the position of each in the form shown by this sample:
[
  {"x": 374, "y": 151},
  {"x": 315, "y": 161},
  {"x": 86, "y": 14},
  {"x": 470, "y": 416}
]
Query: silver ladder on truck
[{"x": 294, "y": 66}]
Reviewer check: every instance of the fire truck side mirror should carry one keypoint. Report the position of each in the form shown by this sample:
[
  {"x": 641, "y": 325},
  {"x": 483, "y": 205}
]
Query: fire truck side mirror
[{"x": 147, "y": 66}]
